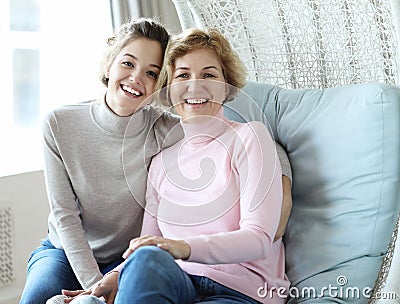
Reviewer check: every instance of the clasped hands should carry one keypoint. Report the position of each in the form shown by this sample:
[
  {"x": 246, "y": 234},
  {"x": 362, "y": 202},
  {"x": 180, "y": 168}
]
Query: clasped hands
[{"x": 107, "y": 287}]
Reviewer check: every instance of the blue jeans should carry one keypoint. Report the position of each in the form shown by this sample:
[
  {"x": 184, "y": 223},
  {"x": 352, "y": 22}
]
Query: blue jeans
[
  {"x": 152, "y": 276},
  {"x": 48, "y": 272}
]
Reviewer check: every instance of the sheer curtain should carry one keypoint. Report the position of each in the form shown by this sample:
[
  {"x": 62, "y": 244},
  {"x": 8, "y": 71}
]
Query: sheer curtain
[{"x": 161, "y": 10}]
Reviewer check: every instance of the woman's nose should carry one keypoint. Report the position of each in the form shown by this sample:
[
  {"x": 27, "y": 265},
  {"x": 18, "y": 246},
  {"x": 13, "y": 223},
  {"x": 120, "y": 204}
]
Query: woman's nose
[
  {"x": 195, "y": 85},
  {"x": 136, "y": 76}
]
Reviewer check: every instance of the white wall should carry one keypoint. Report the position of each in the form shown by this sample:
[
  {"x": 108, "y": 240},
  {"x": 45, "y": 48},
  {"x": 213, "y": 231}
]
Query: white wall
[{"x": 26, "y": 195}]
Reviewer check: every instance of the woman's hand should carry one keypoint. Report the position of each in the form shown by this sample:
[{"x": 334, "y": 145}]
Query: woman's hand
[
  {"x": 107, "y": 288},
  {"x": 178, "y": 249}
]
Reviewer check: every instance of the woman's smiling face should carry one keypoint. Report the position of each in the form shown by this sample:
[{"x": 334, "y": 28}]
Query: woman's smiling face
[
  {"x": 132, "y": 76},
  {"x": 198, "y": 86}
]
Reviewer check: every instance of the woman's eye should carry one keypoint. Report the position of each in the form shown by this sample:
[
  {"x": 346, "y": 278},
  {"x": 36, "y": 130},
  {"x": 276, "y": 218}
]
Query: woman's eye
[
  {"x": 208, "y": 75},
  {"x": 152, "y": 74},
  {"x": 128, "y": 63},
  {"x": 183, "y": 75}
]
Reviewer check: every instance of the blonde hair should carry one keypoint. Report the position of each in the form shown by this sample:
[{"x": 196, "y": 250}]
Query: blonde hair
[
  {"x": 136, "y": 28},
  {"x": 193, "y": 39}
]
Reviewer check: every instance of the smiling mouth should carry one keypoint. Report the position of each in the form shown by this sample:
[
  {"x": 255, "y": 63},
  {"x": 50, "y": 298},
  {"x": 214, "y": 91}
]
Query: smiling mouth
[
  {"x": 196, "y": 101},
  {"x": 131, "y": 91}
]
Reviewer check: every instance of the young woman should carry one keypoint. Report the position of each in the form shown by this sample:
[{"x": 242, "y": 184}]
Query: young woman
[
  {"x": 213, "y": 198},
  {"x": 94, "y": 211}
]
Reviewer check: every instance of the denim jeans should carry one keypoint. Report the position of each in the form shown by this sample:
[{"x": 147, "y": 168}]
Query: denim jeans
[
  {"x": 152, "y": 276},
  {"x": 48, "y": 272}
]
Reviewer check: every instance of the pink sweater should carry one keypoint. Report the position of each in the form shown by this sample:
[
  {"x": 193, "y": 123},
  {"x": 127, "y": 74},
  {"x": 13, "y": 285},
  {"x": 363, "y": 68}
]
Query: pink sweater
[{"x": 219, "y": 189}]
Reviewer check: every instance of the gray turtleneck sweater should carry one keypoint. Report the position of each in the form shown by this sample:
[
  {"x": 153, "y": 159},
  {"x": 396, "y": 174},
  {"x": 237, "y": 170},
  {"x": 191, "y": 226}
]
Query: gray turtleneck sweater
[{"x": 96, "y": 169}]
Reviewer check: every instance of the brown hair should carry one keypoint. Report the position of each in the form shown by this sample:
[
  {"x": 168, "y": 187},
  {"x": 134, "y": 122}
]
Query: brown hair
[
  {"x": 193, "y": 39},
  {"x": 137, "y": 28}
]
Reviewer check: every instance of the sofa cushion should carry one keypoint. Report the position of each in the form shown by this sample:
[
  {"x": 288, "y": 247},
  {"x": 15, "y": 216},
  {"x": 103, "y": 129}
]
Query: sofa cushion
[{"x": 343, "y": 144}]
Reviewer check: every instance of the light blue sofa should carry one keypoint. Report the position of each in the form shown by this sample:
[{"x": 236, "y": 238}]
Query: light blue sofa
[{"x": 343, "y": 144}]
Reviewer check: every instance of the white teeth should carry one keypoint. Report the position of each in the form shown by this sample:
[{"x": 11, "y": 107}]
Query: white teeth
[
  {"x": 130, "y": 90},
  {"x": 196, "y": 100}
]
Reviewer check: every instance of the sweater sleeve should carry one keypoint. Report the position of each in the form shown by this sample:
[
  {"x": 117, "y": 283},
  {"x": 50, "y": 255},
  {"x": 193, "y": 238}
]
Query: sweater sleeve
[
  {"x": 150, "y": 221},
  {"x": 65, "y": 211},
  {"x": 150, "y": 224},
  {"x": 260, "y": 204}
]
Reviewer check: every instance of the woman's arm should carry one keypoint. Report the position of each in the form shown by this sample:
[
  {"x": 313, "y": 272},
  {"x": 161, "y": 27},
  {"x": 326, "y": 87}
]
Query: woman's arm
[
  {"x": 151, "y": 234},
  {"x": 150, "y": 221},
  {"x": 65, "y": 213}
]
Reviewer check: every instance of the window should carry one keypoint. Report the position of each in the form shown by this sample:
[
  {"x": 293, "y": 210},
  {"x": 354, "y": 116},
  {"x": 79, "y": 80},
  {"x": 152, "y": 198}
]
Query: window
[{"x": 50, "y": 55}]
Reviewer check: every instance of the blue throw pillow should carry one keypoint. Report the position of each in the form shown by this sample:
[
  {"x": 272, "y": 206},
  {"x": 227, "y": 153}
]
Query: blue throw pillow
[{"x": 343, "y": 144}]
